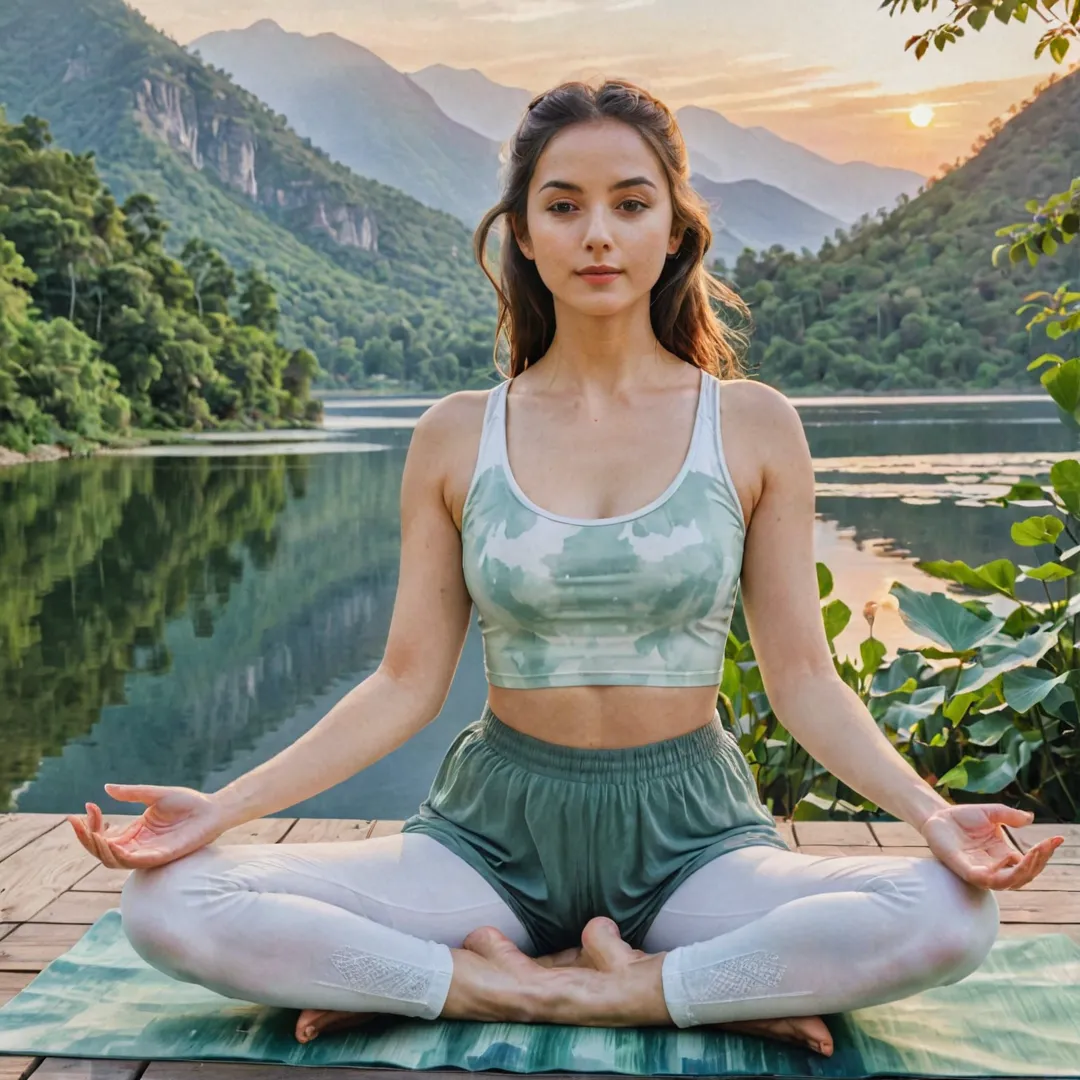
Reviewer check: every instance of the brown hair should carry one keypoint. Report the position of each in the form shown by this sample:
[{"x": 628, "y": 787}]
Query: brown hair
[{"x": 682, "y": 318}]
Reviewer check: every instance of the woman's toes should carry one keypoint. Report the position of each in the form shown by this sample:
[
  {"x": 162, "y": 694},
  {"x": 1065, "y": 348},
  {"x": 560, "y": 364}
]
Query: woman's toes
[
  {"x": 312, "y": 1022},
  {"x": 493, "y": 945},
  {"x": 602, "y": 943}
]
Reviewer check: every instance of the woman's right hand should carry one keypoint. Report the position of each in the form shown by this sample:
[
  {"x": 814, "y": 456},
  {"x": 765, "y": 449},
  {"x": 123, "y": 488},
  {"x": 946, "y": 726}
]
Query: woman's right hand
[{"x": 177, "y": 821}]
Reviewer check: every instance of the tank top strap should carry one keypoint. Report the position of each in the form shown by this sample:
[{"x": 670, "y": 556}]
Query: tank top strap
[
  {"x": 492, "y": 449},
  {"x": 714, "y": 460},
  {"x": 705, "y": 451}
]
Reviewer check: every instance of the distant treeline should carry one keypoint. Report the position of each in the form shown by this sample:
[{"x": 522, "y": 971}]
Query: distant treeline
[{"x": 101, "y": 330}]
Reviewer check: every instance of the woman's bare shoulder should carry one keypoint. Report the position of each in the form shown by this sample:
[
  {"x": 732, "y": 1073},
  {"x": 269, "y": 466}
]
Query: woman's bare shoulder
[
  {"x": 450, "y": 435},
  {"x": 758, "y": 411},
  {"x": 455, "y": 414}
]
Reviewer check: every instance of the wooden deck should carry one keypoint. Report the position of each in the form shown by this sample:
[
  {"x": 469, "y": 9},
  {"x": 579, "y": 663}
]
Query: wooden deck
[{"x": 51, "y": 890}]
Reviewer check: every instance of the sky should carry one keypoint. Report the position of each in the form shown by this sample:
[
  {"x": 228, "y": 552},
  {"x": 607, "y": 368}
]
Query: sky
[{"x": 831, "y": 75}]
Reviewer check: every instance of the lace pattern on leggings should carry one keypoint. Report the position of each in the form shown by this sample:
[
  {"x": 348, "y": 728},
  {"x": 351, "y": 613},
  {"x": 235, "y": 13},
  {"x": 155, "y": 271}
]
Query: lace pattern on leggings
[
  {"x": 375, "y": 975},
  {"x": 737, "y": 979}
]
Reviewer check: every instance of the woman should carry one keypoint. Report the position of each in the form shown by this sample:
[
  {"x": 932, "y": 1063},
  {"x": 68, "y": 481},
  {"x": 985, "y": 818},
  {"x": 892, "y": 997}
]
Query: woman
[{"x": 593, "y": 850}]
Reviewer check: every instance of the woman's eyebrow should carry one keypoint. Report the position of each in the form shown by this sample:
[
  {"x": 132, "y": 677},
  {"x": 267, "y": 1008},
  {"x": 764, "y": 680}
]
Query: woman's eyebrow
[{"x": 565, "y": 185}]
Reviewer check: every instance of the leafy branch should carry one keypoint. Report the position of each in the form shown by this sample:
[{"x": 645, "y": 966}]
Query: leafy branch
[{"x": 1062, "y": 18}]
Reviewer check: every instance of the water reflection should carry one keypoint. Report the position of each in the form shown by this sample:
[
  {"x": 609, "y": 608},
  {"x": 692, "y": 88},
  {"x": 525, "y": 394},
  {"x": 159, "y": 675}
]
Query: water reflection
[{"x": 179, "y": 618}]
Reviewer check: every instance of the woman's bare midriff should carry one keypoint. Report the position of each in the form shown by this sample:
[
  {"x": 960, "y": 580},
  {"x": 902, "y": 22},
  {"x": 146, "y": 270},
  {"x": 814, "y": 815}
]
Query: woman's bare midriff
[{"x": 604, "y": 717}]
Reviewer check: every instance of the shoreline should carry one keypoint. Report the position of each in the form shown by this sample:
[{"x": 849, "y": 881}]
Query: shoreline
[{"x": 40, "y": 452}]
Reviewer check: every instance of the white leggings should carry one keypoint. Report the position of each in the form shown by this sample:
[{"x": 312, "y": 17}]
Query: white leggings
[{"x": 367, "y": 926}]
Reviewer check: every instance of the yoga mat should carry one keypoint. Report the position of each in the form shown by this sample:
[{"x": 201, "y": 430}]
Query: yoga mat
[{"x": 1017, "y": 1015}]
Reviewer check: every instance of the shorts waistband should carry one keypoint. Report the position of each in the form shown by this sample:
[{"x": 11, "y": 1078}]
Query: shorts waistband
[{"x": 611, "y": 765}]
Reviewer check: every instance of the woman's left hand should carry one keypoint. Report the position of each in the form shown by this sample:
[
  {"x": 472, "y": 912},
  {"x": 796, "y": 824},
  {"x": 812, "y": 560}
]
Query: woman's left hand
[{"x": 969, "y": 840}]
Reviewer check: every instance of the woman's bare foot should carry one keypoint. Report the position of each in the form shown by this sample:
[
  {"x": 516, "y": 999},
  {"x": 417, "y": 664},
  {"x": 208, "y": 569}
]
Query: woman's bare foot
[
  {"x": 607, "y": 951},
  {"x": 572, "y": 957},
  {"x": 313, "y": 1022}
]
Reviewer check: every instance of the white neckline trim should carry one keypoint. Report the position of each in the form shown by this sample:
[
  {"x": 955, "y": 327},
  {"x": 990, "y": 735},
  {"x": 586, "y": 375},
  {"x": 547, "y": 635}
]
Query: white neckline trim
[{"x": 703, "y": 388}]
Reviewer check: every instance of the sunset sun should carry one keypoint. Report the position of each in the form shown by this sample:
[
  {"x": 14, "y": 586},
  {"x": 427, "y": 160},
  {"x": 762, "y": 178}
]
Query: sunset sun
[{"x": 922, "y": 115}]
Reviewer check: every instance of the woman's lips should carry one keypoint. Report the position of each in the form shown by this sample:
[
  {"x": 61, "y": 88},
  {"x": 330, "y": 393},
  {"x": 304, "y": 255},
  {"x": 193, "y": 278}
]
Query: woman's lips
[{"x": 599, "y": 278}]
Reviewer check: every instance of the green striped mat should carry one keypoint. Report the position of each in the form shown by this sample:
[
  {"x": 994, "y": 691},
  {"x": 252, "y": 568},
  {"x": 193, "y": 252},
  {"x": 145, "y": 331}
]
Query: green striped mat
[{"x": 1017, "y": 1015}]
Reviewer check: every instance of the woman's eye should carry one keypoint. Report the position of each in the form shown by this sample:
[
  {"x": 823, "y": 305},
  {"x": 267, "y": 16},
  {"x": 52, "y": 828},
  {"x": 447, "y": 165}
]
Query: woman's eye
[{"x": 563, "y": 202}]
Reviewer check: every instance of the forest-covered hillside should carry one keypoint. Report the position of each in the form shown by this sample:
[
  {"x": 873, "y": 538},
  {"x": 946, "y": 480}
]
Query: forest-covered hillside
[
  {"x": 101, "y": 328},
  {"x": 911, "y": 300},
  {"x": 379, "y": 286},
  {"x": 370, "y": 279}
]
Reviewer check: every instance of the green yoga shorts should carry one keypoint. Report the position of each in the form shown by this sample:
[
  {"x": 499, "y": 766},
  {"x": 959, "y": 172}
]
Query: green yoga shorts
[{"x": 565, "y": 834}]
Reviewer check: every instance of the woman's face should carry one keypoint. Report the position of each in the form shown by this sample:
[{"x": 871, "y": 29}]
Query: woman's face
[{"x": 577, "y": 217}]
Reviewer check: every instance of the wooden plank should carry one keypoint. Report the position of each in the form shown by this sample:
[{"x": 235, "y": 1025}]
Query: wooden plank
[
  {"x": 837, "y": 849},
  {"x": 1032, "y": 905},
  {"x": 841, "y": 833},
  {"x": 896, "y": 834},
  {"x": 321, "y": 830},
  {"x": 269, "y": 830},
  {"x": 1055, "y": 878},
  {"x": 910, "y": 852},
  {"x": 384, "y": 828},
  {"x": 33, "y": 946},
  {"x": 83, "y": 908},
  {"x": 17, "y": 1068},
  {"x": 1029, "y": 835},
  {"x": 11, "y": 982},
  {"x": 18, "y": 830},
  {"x": 102, "y": 879},
  {"x": 87, "y": 1069},
  {"x": 38, "y": 873},
  {"x": 6, "y": 928}
]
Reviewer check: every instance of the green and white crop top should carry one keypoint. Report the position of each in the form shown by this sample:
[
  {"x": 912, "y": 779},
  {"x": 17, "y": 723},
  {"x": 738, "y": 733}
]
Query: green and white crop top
[{"x": 640, "y": 599}]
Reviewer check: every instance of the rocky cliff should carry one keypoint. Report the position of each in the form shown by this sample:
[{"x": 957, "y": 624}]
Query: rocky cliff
[{"x": 215, "y": 135}]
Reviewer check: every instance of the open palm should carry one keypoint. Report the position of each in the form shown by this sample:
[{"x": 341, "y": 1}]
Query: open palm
[
  {"x": 968, "y": 838},
  {"x": 176, "y": 822}
]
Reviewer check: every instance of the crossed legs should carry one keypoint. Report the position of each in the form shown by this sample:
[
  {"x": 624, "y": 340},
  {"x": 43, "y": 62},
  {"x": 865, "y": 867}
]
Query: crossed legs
[{"x": 393, "y": 925}]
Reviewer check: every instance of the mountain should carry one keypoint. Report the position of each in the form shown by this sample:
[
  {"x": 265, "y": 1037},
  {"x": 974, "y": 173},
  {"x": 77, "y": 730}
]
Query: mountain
[
  {"x": 912, "y": 300},
  {"x": 846, "y": 191},
  {"x": 385, "y": 124},
  {"x": 751, "y": 214},
  {"x": 366, "y": 114},
  {"x": 374, "y": 281},
  {"x": 719, "y": 149},
  {"x": 472, "y": 99}
]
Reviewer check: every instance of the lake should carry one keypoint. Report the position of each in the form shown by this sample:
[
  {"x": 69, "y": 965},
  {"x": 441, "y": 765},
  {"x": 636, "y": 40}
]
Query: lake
[{"x": 180, "y": 614}]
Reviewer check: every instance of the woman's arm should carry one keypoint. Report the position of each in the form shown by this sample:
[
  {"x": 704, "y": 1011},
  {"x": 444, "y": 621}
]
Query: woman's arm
[
  {"x": 427, "y": 631},
  {"x": 783, "y": 614}
]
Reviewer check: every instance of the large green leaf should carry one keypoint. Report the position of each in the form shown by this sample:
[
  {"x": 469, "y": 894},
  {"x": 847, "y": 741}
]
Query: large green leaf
[
  {"x": 1048, "y": 571},
  {"x": 906, "y": 668},
  {"x": 945, "y": 622},
  {"x": 998, "y": 575},
  {"x": 836, "y": 615},
  {"x": 996, "y": 659},
  {"x": 987, "y": 774},
  {"x": 824, "y": 580},
  {"x": 1041, "y": 529},
  {"x": 872, "y": 652},
  {"x": 987, "y": 731},
  {"x": 903, "y": 715},
  {"x": 1063, "y": 383},
  {"x": 1025, "y": 687},
  {"x": 1065, "y": 477}
]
